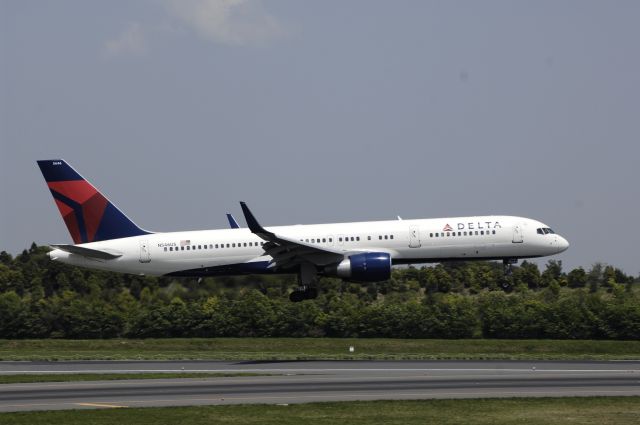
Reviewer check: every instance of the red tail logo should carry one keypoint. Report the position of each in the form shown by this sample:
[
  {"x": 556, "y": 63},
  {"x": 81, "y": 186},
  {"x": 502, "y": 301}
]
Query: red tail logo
[{"x": 447, "y": 228}]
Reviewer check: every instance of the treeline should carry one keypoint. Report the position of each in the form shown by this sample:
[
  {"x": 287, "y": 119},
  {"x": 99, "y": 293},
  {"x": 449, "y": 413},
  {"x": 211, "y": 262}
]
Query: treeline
[{"x": 44, "y": 299}]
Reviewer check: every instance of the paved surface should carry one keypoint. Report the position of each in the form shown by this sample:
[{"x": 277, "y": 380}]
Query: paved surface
[{"x": 306, "y": 381}]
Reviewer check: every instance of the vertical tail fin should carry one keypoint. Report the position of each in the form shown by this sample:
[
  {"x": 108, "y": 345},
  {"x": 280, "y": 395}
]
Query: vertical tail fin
[{"x": 89, "y": 216}]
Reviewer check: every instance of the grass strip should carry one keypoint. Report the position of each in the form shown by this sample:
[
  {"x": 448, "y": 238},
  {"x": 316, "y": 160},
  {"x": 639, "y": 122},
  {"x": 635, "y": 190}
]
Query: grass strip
[
  {"x": 316, "y": 349},
  {"x": 534, "y": 411},
  {"x": 72, "y": 377}
]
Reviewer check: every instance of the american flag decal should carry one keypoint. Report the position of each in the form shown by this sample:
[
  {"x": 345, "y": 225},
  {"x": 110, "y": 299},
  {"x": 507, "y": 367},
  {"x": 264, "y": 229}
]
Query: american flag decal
[
  {"x": 447, "y": 228},
  {"x": 185, "y": 242}
]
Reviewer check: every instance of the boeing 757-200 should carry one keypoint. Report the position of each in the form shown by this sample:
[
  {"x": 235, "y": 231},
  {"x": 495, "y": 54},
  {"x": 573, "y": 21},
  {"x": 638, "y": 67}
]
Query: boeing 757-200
[{"x": 104, "y": 238}]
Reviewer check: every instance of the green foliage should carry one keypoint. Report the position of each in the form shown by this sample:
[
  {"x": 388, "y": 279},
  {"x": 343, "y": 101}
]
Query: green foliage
[
  {"x": 487, "y": 411},
  {"x": 40, "y": 299}
]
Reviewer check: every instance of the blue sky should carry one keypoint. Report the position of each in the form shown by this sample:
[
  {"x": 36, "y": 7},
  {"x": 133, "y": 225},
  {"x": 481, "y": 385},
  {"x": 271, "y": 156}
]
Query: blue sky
[{"x": 327, "y": 111}]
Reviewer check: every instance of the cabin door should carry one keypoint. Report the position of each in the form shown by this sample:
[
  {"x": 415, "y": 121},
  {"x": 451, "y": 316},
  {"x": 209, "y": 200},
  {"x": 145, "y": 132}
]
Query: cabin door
[
  {"x": 145, "y": 254},
  {"x": 517, "y": 235},
  {"x": 414, "y": 237}
]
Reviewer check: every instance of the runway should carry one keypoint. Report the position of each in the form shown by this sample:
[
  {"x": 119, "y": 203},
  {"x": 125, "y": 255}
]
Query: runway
[{"x": 309, "y": 381}]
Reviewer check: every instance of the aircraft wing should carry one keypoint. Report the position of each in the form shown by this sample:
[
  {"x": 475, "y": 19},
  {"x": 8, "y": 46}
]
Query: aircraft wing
[
  {"x": 232, "y": 221},
  {"x": 287, "y": 252},
  {"x": 101, "y": 254}
]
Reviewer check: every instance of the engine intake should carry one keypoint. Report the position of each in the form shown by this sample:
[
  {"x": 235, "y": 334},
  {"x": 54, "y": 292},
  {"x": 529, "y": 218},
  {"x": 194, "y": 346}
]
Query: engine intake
[{"x": 365, "y": 267}]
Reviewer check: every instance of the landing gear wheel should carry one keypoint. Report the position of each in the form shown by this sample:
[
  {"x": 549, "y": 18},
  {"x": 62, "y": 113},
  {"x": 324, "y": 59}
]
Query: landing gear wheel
[
  {"x": 307, "y": 279},
  {"x": 303, "y": 293},
  {"x": 296, "y": 296},
  {"x": 506, "y": 265},
  {"x": 311, "y": 293}
]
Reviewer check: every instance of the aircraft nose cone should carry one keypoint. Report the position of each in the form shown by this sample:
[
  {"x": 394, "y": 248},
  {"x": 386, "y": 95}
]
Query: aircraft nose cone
[{"x": 563, "y": 244}]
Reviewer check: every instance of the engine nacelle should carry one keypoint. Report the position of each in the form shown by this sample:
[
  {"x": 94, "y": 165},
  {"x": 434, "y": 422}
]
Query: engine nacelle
[{"x": 365, "y": 267}]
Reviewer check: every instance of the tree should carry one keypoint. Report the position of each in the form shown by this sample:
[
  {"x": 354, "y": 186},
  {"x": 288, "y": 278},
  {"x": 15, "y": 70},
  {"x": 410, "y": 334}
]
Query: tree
[{"x": 577, "y": 278}]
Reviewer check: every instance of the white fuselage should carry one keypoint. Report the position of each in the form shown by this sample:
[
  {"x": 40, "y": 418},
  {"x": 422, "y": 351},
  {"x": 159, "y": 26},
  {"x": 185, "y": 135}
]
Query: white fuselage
[{"x": 239, "y": 251}]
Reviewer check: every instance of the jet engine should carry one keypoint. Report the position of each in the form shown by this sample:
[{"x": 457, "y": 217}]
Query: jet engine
[{"x": 365, "y": 267}]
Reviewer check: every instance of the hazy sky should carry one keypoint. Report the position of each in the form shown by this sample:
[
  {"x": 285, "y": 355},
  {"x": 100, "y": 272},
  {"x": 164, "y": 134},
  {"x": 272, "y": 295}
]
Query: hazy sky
[{"x": 327, "y": 111}]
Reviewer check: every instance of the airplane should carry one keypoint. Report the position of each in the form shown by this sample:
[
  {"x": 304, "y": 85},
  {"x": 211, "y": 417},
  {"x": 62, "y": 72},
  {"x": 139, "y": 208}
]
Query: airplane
[{"x": 106, "y": 239}]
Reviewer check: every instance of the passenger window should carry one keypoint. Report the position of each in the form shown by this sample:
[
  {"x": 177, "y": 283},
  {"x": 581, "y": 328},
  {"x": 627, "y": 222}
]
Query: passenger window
[
  {"x": 165, "y": 248},
  {"x": 330, "y": 239},
  {"x": 386, "y": 237},
  {"x": 391, "y": 237},
  {"x": 437, "y": 235},
  {"x": 380, "y": 237},
  {"x": 368, "y": 238},
  {"x": 351, "y": 238},
  {"x": 188, "y": 247},
  {"x": 357, "y": 238},
  {"x": 430, "y": 235},
  {"x": 339, "y": 239},
  {"x": 493, "y": 232},
  {"x": 324, "y": 240}
]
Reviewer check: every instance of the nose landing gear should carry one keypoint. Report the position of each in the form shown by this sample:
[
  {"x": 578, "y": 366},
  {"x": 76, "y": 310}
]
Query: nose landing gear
[{"x": 506, "y": 265}]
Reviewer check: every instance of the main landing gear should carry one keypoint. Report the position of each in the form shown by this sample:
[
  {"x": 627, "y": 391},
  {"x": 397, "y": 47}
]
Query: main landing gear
[
  {"x": 303, "y": 293},
  {"x": 307, "y": 278}
]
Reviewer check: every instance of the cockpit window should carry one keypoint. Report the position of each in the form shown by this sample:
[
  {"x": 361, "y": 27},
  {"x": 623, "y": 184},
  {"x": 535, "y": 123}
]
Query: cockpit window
[
  {"x": 550, "y": 230},
  {"x": 540, "y": 232},
  {"x": 545, "y": 231}
]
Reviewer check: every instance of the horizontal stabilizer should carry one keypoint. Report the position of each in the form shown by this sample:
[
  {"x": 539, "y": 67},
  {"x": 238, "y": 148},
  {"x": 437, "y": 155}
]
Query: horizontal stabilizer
[{"x": 102, "y": 254}]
